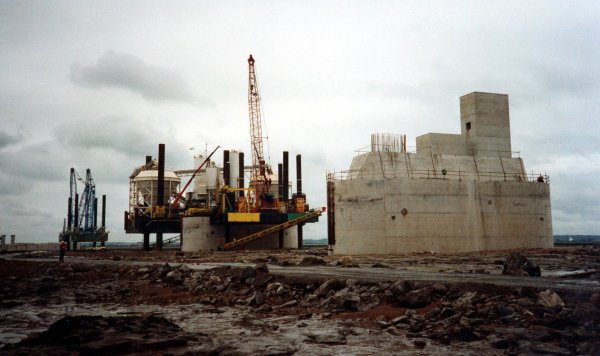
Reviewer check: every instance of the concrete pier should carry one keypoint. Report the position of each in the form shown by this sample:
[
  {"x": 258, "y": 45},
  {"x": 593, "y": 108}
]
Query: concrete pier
[{"x": 456, "y": 193}]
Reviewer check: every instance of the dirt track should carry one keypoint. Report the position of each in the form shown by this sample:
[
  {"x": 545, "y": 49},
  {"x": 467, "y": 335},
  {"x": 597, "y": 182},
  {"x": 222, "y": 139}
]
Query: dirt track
[{"x": 272, "y": 302}]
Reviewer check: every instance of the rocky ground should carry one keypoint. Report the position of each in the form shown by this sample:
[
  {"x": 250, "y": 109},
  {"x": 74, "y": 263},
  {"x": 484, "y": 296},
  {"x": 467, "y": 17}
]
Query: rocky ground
[{"x": 300, "y": 302}]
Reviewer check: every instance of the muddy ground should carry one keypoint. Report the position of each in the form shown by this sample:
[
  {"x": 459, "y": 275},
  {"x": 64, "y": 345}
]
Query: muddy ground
[{"x": 298, "y": 302}]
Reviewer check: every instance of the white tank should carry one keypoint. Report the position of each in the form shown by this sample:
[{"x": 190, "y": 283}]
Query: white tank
[
  {"x": 200, "y": 179},
  {"x": 146, "y": 187},
  {"x": 234, "y": 169},
  {"x": 212, "y": 174}
]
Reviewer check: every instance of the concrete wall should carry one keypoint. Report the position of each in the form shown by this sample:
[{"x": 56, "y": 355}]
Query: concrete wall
[
  {"x": 442, "y": 215},
  {"x": 50, "y": 246},
  {"x": 426, "y": 165},
  {"x": 485, "y": 129},
  {"x": 456, "y": 193},
  {"x": 437, "y": 143},
  {"x": 199, "y": 235},
  {"x": 488, "y": 114}
]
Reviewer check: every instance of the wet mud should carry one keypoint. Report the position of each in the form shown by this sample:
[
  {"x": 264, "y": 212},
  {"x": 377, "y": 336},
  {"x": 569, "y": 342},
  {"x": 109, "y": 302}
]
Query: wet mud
[{"x": 298, "y": 302}]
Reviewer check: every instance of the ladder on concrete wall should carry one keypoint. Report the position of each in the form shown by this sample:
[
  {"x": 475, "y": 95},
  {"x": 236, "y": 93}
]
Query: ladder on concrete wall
[{"x": 257, "y": 235}]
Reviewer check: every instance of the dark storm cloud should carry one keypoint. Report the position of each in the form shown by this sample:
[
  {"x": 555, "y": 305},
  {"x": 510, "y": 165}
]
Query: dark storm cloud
[
  {"x": 121, "y": 70},
  {"x": 7, "y": 140}
]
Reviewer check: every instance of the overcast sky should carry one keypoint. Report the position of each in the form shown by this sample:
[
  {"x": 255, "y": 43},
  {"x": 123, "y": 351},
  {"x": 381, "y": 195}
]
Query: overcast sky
[{"x": 99, "y": 84}]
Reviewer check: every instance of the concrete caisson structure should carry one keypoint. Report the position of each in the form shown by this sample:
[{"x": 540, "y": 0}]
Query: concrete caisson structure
[{"x": 455, "y": 193}]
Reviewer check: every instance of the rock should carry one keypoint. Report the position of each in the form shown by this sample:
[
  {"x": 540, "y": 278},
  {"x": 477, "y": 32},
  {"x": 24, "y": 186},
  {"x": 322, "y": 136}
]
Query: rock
[
  {"x": 351, "y": 283},
  {"x": 327, "y": 337},
  {"x": 517, "y": 265},
  {"x": 324, "y": 288},
  {"x": 347, "y": 300},
  {"x": 345, "y": 261},
  {"x": 287, "y": 304},
  {"x": 403, "y": 319},
  {"x": 166, "y": 268},
  {"x": 264, "y": 308},
  {"x": 504, "y": 310},
  {"x": 582, "y": 312},
  {"x": 262, "y": 279},
  {"x": 433, "y": 313},
  {"x": 282, "y": 290},
  {"x": 419, "y": 343},
  {"x": 463, "y": 333},
  {"x": 398, "y": 292},
  {"x": 418, "y": 298},
  {"x": 383, "y": 324},
  {"x": 279, "y": 349},
  {"x": 439, "y": 288},
  {"x": 595, "y": 299},
  {"x": 550, "y": 299},
  {"x": 548, "y": 349},
  {"x": 98, "y": 335},
  {"x": 312, "y": 261},
  {"x": 401, "y": 287},
  {"x": 261, "y": 267},
  {"x": 257, "y": 299},
  {"x": 381, "y": 265},
  {"x": 445, "y": 313},
  {"x": 272, "y": 287},
  {"x": 502, "y": 342},
  {"x": 465, "y": 301},
  {"x": 174, "y": 277}
]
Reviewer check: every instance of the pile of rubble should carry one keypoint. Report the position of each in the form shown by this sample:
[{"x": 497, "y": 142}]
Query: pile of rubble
[
  {"x": 511, "y": 320},
  {"x": 519, "y": 320}
]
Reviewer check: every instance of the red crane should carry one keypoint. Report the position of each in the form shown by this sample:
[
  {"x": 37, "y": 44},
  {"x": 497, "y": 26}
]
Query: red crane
[{"x": 258, "y": 180}]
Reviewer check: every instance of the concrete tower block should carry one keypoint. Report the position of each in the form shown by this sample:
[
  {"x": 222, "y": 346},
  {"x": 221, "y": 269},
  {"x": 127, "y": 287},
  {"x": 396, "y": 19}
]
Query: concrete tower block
[
  {"x": 485, "y": 124},
  {"x": 12, "y": 239},
  {"x": 2, "y": 240}
]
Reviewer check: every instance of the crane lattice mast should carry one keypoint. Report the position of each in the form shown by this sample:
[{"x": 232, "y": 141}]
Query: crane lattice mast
[
  {"x": 86, "y": 203},
  {"x": 258, "y": 180},
  {"x": 256, "y": 137}
]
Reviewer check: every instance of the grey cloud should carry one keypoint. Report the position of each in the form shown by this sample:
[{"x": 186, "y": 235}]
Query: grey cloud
[
  {"x": 117, "y": 144},
  {"x": 125, "y": 135},
  {"x": 7, "y": 140},
  {"x": 121, "y": 70},
  {"x": 33, "y": 162}
]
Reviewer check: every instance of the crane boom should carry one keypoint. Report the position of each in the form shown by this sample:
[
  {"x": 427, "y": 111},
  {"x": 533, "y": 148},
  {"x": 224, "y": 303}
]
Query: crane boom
[
  {"x": 254, "y": 107},
  {"x": 258, "y": 179},
  {"x": 176, "y": 201}
]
